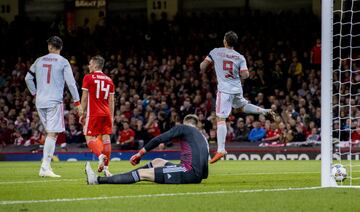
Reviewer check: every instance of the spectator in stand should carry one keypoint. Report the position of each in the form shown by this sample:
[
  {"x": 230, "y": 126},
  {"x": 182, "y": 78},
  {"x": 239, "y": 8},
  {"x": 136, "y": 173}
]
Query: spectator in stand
[
  {"x": 283, "y": 133},
  {"x": 127, "y": 110},
  {"x": 174, "y": 118},
  {"x": 249, "y": 120},
  {"x": 315, "y": 55},
  {"x": 186, "y": 108},
  {"x": 298, "y": 134},
  {"x": 152, "y": 126},
  {"x": 73, "y": 134},
  {"x": 126, "y": 137},
  {"x": 262, "y": 120},
  {"x": 272, "y": 133},
  {"x": 141, "y": 136},
  {"x": 355, "y": 136},
  {"x": 210, "y": 102},
  {"x": 163, "y": 123},
  {"x": 22, "y": 125},
  {"x": 257, "y": 133},
  {"x": 201, "y": 126},
  {"x": 313, "y": 137},
  {"x": 137, "y": 114},
  {"x": 295, "y": 68},
  {"x": 241, "y": 131},
  {"x": 212, "y": 135},
  {"x": 5, "y": 132},
  {"x": 259, "y": 100}
]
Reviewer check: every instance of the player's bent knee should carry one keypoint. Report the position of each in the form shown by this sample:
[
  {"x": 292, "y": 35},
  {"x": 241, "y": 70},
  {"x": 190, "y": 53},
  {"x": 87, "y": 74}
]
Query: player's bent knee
[
  {"x": 158, "y": 162},
  {"x": 147, "y": 174},
  {"x": 105, "y": 137}
]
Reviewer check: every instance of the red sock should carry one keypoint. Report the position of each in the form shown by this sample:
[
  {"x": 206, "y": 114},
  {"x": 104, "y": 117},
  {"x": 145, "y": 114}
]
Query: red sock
[
  {"x": 107, "y": 151},
  {"x": 95, "y": 146}
]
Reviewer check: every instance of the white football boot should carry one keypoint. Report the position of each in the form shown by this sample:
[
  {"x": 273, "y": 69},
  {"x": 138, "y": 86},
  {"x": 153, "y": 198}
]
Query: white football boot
[
  {"x": 91, "y": 177},
  {"x": 47, "y": 173},
  {"x": 106, "y": 171}
]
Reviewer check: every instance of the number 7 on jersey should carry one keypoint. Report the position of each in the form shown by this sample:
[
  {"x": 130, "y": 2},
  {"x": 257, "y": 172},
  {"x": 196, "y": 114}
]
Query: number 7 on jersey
[{"x": 48, "y": 66}]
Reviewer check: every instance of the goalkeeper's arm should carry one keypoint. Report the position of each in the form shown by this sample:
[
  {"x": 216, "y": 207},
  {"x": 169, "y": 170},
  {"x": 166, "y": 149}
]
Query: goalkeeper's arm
[{"x": 163, "y": 138}]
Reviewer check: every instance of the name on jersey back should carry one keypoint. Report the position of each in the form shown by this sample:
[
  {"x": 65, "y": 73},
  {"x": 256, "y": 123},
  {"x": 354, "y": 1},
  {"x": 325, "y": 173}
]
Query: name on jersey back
[
  {"x": 230, "y": 56},
  {"x": 50, "y": 59},
  {"x": 100, "y": 77}
]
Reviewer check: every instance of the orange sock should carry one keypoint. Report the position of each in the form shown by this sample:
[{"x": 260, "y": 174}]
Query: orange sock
[
  {"x": 107, "y": 151},
  {"x": 95, "y": 146}
]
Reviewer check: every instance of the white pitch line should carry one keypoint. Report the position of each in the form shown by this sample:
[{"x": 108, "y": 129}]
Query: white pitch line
[
  {"x": 230, "y": 174},
  {"x": 265, "y": 173},
  {"x": 10, "y": 202}
]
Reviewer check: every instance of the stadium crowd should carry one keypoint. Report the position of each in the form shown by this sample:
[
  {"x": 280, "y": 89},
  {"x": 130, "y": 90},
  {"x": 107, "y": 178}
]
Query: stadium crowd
[{"x": 155, "y": 68}]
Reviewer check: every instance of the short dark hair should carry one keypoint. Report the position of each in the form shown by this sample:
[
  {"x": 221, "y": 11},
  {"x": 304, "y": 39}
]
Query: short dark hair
[
  {"x": 231, "y": 38},
  {"x": 100, "y": 61},
  {"x": 193, "y": 119},
  {"x": 56, "y": 42}
]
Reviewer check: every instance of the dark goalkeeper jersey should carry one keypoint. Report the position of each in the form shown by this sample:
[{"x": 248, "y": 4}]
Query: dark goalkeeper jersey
[{"x": 194, "y": 148}]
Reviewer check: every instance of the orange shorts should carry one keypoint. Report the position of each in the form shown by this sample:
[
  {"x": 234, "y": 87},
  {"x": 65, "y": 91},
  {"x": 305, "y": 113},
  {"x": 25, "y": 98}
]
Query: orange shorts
[{"x": 97, "y": 125}]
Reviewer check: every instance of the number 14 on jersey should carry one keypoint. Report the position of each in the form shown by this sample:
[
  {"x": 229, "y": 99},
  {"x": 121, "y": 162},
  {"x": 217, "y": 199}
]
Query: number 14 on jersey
[{"x": 100, "y": 86}]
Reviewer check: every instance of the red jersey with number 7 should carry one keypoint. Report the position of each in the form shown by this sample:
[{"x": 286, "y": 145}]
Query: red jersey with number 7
[{"x": 99, "y": 87}]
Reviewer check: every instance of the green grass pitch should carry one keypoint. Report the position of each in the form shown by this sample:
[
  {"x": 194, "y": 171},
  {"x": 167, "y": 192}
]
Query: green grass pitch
[{"x": 231, "y": 186}]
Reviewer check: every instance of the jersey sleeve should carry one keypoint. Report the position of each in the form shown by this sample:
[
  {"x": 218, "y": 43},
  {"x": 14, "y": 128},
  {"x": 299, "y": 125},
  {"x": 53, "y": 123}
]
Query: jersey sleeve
[
  {"x": 243, "y": 66},
  {"x": 33, "y": 66},
  {"x": 29, "y": 79},
  {"x": 30, "y": 76},
  {"x": 211, "y": 55},
  {"x": 174, "y": 132},
  {"x": 85, "y": 84}
]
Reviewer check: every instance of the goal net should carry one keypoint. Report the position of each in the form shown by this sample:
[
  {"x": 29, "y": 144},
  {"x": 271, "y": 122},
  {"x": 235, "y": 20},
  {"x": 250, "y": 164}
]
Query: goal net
[{"x": 340, "y": 90}]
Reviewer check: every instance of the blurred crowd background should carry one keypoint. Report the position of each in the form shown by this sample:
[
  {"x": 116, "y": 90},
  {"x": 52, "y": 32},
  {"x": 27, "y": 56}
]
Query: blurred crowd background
[{"x": 155, "y": 68}]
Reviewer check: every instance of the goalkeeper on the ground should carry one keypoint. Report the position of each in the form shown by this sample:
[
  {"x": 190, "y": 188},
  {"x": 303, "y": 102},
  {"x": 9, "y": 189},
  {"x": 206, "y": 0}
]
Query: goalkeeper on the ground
[{"x": 193, "y": 165}]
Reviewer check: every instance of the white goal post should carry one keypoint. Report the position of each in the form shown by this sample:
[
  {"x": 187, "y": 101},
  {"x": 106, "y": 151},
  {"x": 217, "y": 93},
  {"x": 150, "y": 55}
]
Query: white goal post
[
  {"x": 326, "y": 92},
  {"x": 340, "y": 90}
]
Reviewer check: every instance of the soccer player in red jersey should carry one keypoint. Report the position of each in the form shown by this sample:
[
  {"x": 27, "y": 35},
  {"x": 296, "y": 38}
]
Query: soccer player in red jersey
[{"x": 98, "y": 102}]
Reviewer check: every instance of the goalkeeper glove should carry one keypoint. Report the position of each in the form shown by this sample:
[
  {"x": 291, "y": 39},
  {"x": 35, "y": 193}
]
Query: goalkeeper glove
[{"x": 135, "y": 159}]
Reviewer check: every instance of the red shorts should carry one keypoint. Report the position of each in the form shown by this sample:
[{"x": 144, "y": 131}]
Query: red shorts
[{"x": 97, "y": 125}]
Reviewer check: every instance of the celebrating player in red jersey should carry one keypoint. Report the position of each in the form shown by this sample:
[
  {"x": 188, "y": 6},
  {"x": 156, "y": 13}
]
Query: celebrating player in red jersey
[{"x": 98, "y": 102}]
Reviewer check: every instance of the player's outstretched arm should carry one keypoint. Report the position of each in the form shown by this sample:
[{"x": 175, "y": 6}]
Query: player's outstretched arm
[{"x": 163, "y": 138}]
